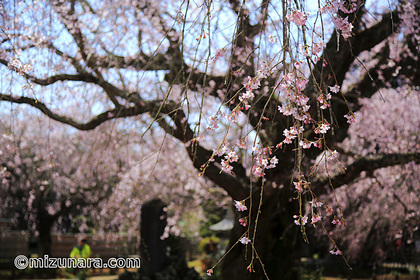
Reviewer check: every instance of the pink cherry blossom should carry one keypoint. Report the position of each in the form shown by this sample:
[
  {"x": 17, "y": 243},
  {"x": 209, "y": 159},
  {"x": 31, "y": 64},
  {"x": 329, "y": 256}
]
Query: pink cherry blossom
[
  {"x": 232, "y": 156},
  {"x": 344, "y": 25},
  {"x": 240, "y": 206},
  {"x": 298, "y": 186},
  {"x": 317, "y": 47},
  {"x": 300, "y": 220},
  {"x": 245, "y": 240},
  {"x": 178, "y": 99},
  {"x": 315, "y": 218},
  {"x": 258, "y": 171},
  {"x": 226, "y": 167},
  {"x": 336, "y": 222},
  {"x": 316, "y": 203},
  {"x": 335, "y": 251},
  {"x": 323, "y": 128},
  {"x": 297, "y": 17},
  {"x": 335, "y": 89},
  {"x": 351, "y": 118}
]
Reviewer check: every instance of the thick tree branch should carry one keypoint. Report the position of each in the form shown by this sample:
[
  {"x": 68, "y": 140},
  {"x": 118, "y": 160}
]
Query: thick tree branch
[
  {"x": 339, "y": 62},
  {"x": 81, "y": 77},
  {"x": 260, "y": 26},
  {"x": 71, "y": 22},
  {"x": 236, "y": 185},
  {"x": 89, "y": 78},
  {"x": 94, "y": 122},
  {"x": 363, "y": 164}
]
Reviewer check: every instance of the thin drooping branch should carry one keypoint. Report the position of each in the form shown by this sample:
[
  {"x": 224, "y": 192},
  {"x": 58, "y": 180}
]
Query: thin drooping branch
[
  {"x": 339, "y": 59},
  {"x": 363, "y": 164},
  {"x": 73, "y": 26},
  {"x": 260, "y": 26}
]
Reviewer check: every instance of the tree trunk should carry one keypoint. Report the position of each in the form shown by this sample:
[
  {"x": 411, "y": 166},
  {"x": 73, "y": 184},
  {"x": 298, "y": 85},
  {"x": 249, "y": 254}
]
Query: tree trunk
[{"x": 278, "y": 242}]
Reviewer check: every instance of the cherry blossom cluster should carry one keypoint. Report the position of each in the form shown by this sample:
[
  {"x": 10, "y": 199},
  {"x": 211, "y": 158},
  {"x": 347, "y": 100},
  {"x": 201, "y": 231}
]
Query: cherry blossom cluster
[
  {"x": 291, "y": 87},
  {"x": 323, "y": 100},
  {"x": 342, "y": 24},
  {"x": 335, "y": 251},
  {"x": 254, "y": 83},
  {"x": 240, "y": 206},
  {"x": 291, "y": 134},
  {"x": 300, "y": 186},
  {"x": 4, "y": 174},
  {"x": 351, "y": 117},
  {"x": 310, "y": 52},
  {"x": 303, "y": 220},
  {"x": 214, "y": 124},
  {"x": 316, "y": 217},
  {"x": 16, "y": 65},
  {"x": 300, "y": 220},
  {"x": 262, "y": 161},
  {"x": 323, "y": 127},
  {"x": 306, "y": 144},
  {"x": 339, "y": 222},
  {"x": 246, "y": 97},
  {"x": 335, "y": 88},
  {"x": 297, "y": 17},
  {"x": 316, "y": 203},
  {"x": 333, "y": 155},
  {"x": 230, "y": 156},
  {"x": 410, "y": 23},
  {"x": 265, "y": 70}
]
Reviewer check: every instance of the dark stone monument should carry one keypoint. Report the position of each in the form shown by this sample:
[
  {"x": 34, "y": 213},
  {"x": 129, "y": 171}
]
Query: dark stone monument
[
  {"x": 152, "y": 247},
  {"x": 160, "y": 259}
]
